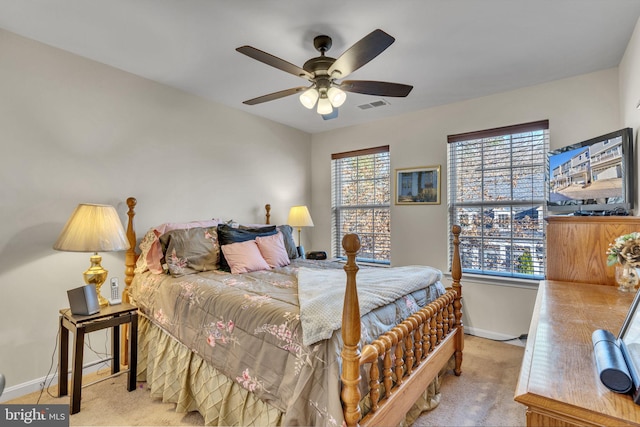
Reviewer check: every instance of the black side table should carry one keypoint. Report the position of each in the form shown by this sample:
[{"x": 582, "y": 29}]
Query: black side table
[{"x": 108, "y": 317}]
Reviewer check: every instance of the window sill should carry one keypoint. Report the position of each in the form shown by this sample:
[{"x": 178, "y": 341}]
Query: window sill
[
  {"x": 363, "y": 263},
  {"x": 498, "y": 281},
  {"x": 373, "y": 264}
]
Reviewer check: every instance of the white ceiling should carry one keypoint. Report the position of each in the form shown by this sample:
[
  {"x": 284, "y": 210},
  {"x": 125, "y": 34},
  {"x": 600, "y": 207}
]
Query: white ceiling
[{"x": 449, "y": 50}]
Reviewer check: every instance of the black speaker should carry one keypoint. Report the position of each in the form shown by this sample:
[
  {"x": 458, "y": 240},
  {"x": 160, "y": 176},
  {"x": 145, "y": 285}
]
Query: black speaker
[
  {"x": 610, "y": 363},
  {"x": 84, "y": 300},
  {"x": 317, "y": 255}
]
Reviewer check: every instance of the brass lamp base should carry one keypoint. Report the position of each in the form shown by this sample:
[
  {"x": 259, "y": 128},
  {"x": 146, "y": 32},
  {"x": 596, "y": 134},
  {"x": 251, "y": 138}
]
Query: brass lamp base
[{"x": 96, "y": 275}]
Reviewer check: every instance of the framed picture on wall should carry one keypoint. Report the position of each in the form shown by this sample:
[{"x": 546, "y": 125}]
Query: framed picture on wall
[{"x": 418, "y": 186}]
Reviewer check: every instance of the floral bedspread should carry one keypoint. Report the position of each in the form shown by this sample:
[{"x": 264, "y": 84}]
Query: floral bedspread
[{"x": 248, "y": 327}]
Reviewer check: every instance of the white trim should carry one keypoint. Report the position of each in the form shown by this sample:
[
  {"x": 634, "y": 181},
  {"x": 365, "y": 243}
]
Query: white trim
[
  {"x": 28, "y": 387},
  {"x": 496, "y": 336},
  {"x": 497, "y": 280}
]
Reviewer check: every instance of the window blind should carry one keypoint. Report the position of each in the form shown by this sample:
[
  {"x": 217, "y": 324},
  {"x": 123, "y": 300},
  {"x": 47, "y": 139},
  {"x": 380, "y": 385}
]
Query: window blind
[
  {"x": 360, "y": 202},
  {"x": 497, "y": 194}
]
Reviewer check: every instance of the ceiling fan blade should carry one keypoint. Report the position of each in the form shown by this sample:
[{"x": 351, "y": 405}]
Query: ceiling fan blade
[
  {"x": 370, "y": 87},
  {"x": 331, "y": 115},
  {"x": 275, "y": 95},
  {"x": 361, "y": 52},
  {"x": 274, "y": 61}
]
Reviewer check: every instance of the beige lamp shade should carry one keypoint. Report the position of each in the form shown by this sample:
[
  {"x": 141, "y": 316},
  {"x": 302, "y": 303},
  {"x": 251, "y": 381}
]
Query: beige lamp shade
[
  {"x": 299, "y": 217},
  {"x": 93, "y": 228}
]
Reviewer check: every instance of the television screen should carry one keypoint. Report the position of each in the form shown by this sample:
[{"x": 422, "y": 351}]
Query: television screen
[{"x": 593, "y": 176}]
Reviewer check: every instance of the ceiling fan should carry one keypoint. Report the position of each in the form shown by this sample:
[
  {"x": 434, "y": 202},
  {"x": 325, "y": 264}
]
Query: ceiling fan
[{"x": 324, "y": 73}]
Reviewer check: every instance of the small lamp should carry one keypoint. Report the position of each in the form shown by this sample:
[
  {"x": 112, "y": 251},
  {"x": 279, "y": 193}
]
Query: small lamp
[
  {"x": 299, "y": 217},
  {"x": 93, "y": 228}
]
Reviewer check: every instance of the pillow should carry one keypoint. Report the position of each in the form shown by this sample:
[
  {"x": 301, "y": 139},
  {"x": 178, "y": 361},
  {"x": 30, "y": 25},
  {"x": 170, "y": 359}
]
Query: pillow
[
  {"x": 250, "y": 226},
  {"x": 145, "y": 246},
  {"x": 289, "y": 243},
  {"x": 244, "y": 257},
  {"x": 152, "y": 253},
  {"x": 191, "y": 250},
  {"x": 273, "y": 250},
  {"x": 228, "y": 235}
]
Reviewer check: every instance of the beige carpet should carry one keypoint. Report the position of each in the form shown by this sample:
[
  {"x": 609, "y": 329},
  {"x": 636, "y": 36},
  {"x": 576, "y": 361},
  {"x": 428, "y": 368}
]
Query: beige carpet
[{"x": 481, "y": 396}]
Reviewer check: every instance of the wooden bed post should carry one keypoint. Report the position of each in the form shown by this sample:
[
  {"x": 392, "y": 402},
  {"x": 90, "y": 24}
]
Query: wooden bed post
[
  {"x": 267, "y": 215},
  {"x": 456, "y": 275},
  {"x": 130, "y": 255},
  {"x": 129, "y": 268},
  {"x": 421, "y": 346},
  {"x": 350, "y": 375}
]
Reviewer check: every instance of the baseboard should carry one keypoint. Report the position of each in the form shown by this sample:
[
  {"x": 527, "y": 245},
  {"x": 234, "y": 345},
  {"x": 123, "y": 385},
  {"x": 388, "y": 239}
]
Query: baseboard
[
  {"x": 492, "y": 335},
  {"x": 32, "y": 386}
]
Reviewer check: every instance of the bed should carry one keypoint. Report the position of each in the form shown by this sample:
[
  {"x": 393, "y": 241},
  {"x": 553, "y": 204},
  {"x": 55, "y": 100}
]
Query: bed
[{"x": 298, "y": 343}]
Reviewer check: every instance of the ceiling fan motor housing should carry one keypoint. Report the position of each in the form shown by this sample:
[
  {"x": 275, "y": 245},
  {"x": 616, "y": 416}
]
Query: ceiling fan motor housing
[
  {"x": 322, "y": 43},
  {"x": 320, "y": 65}
]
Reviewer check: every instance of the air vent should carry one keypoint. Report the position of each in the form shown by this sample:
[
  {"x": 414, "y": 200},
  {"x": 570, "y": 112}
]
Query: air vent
[{"x": 373, "y": 104}]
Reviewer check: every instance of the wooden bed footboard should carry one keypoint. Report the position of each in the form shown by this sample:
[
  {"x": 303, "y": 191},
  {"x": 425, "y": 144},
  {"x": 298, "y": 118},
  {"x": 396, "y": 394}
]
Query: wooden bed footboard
[{"x": 412, "y": 353}]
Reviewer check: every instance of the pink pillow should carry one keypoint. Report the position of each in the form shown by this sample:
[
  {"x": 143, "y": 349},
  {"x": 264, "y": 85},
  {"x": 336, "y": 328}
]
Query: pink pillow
[
  {"x": 244, "y": 257},
  {"x": 273, "y": 250}
]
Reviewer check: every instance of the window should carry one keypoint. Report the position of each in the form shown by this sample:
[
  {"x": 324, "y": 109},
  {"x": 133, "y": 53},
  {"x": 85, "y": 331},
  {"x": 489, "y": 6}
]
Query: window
[
  {"x": 360, "y": 202},
  {"x": 497, "y": 194}
]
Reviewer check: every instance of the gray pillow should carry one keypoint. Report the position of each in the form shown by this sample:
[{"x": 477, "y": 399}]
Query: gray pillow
[
  {"x": 191, "y": 250},
  {"x": 289, "y": 243}
]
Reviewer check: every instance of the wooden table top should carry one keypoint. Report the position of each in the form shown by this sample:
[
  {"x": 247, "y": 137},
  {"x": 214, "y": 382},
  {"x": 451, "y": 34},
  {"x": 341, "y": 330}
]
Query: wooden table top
[
  {"x": 106, "y": 311},
  {"x": 559, "y": 369}
]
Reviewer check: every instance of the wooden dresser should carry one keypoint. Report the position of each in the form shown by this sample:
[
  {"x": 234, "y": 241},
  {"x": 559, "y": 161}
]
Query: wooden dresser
[
  {"x": 577, "y": 246},
  {"x": 558, "y": 380}
]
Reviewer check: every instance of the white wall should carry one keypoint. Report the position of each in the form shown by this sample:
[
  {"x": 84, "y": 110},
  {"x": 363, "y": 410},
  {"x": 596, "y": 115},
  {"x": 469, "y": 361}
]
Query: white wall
[
  {"x": 72, "y": 131},
  {"x": 577, "y": 108},
  {"x": 630, "y": 94}
]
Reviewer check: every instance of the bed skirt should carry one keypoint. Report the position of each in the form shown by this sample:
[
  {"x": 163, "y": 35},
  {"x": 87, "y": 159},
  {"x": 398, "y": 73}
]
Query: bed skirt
[{"x": 175, "y": 374}]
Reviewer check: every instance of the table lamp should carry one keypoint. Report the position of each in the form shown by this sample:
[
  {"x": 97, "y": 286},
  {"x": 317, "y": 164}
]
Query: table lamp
[
  {"x": 299, "y": 217},
  {"x": 93, "y": 228}
]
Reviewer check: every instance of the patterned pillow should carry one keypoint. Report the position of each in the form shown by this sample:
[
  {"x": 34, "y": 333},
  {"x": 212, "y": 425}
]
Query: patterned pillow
[
  {"x": 151, "y": 254},
  {"x": 145, "y": 246},
  {"x": 191, "y": 250}
]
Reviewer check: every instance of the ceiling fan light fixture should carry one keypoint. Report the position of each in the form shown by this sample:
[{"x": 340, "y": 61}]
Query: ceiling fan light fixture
[
  {"x": 309, "y": 97},
  {"x": 336, "y": 96},
  {"x": 324, "y": 105}
]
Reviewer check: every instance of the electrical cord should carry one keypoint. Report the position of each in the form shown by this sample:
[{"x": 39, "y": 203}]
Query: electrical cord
[
  {"x": 44, "y": 383},
  {"x": 103, "y": 358},
  {"x": 521, "y": 337}
]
